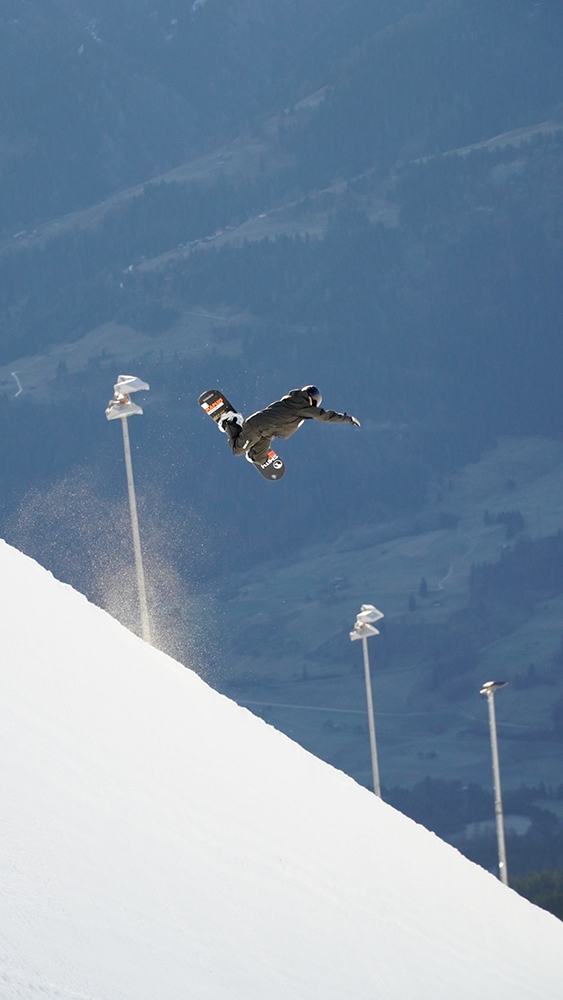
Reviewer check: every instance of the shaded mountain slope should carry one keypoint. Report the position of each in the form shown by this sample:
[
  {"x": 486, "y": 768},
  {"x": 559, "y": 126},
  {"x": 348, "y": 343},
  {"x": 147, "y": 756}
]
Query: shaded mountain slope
[{"x": 98, "y": 95}]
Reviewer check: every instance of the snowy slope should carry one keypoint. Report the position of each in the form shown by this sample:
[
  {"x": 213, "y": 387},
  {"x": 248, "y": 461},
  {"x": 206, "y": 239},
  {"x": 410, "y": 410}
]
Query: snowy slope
[{"x": 160, "y": 843}]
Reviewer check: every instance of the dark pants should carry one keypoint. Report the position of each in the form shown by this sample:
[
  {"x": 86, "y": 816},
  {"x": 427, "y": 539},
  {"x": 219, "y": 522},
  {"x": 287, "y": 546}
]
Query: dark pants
[{"x": 251, "y": 441}]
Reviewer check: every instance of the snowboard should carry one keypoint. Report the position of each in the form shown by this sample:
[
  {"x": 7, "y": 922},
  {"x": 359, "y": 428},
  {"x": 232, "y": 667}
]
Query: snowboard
[{"x": 215, "y": 404}]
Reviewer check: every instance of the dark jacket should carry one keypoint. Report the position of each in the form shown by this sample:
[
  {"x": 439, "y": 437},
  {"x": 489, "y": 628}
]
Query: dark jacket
[{"x": 282, "y": 418}]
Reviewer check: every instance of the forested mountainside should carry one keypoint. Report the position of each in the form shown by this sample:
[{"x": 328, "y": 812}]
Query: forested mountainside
[
  {"x": 444, "y": 77},
  {"x": 97, "y": 95},
  {"x": 421, "y": 289}
]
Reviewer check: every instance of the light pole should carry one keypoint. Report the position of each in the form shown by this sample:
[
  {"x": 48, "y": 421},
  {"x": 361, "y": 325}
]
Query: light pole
[
  {"x": 120, "y": 407},
  {"x": 363, "y": 628},
  {"x": 488, "y": 690}
]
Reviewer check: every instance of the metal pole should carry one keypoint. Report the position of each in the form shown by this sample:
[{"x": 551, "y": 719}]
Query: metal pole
[
  {"x": 145, "y": 625},
  {"x": 503, "y": 871},
  {"x": 371, "y": 721}
]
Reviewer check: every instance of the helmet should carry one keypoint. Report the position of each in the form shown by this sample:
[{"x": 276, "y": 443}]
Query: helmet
[{"x": 314, "y": 393}]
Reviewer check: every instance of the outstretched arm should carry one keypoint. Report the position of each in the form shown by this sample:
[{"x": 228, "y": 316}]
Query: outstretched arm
[{"x": 331, "y": 416}]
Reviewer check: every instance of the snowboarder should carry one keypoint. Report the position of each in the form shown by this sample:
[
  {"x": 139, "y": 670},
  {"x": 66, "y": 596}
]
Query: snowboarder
[{"x": 253, "y": 437}]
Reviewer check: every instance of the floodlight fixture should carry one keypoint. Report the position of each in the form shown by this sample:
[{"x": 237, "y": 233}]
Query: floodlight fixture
[
  {"x": 490, "y": 687},
  {"x": 369, "y": 613},
  {"x": 120, "y": 405}
]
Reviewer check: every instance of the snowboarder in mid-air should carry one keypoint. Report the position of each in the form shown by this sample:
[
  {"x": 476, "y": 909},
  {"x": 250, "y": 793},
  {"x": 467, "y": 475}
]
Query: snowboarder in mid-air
[{"x": 253, "y": 437}]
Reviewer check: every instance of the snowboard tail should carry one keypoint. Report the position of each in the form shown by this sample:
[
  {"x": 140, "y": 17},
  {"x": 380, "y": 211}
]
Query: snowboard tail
[{"x": 216, "y": 404}]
